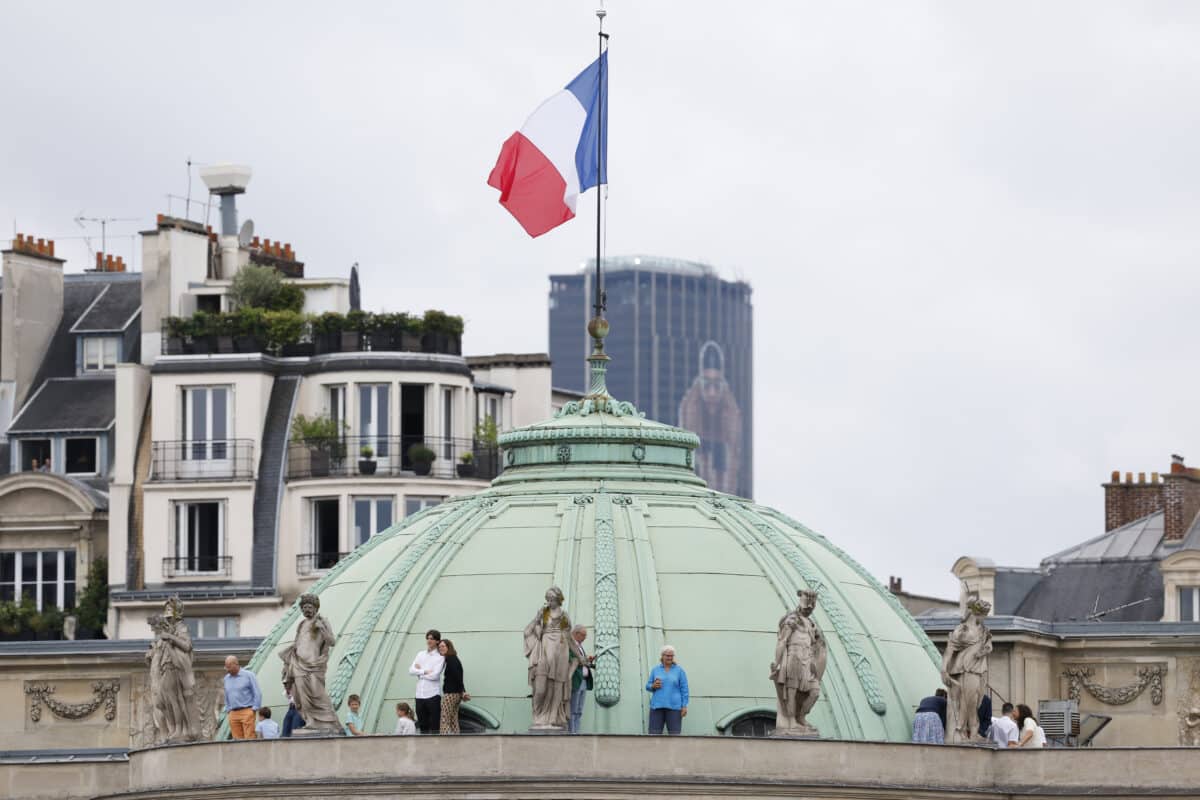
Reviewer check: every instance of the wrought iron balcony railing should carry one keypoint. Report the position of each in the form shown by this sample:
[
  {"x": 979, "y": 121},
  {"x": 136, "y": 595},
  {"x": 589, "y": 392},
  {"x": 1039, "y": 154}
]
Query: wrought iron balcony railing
[
  {"x": 199, "y": 565},
  {"x": 392, "y": 457},
  {"x": 309, "y": 563},
  {"x": 202, "y": 460}
]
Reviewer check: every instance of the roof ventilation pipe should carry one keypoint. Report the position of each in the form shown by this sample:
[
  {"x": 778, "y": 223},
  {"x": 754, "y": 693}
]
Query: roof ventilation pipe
[{"x": 227, "y": 181}]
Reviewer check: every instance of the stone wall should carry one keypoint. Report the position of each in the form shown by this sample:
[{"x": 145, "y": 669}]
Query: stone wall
[
  {"x": 512, "y": 766},
  {"x": 93, "y": 694}
]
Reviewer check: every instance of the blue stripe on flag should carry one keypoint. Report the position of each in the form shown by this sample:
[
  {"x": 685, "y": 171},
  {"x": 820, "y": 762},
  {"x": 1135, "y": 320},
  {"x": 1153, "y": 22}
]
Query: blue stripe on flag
[{"x": 586, "y": 88}]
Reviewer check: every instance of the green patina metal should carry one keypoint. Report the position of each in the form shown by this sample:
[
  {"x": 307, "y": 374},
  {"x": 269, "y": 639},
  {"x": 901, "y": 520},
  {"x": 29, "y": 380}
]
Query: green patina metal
[
  {"x": 607, "y": 625},
  {"x": 668, "y": 561}
]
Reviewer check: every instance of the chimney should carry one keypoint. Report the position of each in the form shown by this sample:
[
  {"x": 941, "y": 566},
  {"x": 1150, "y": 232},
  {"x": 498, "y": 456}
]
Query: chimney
[
  {"x": 1181, "y": 499},
  {"x": 895, "y": 585},
  {"x": 227, "y": 181},
  {"x": 1126, "y": 501},
  {"x": 30, "y": 308}
]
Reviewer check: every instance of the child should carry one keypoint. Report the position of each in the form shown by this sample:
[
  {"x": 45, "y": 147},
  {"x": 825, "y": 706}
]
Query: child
[
  {"x": 404, "y": 721},
  {"x": 353, "y": 720},
  {"x": 266, "y": 728}
]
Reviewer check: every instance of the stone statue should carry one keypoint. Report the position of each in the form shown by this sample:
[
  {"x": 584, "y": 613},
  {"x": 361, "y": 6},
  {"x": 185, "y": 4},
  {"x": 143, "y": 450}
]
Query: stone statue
[
  {"x": 172, "y": 682},
  {"x": 800, "y": 655},
  {"x": 548, "y": 644},
  {"x": 965, "y": 671},
  {"x": 304, "y": 663}
]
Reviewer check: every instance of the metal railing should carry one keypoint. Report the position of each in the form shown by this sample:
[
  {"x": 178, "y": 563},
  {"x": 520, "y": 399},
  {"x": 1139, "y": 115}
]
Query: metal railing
[
  {"x": 391, "y": 457},
  {"x": 199, "y": 565},
  {"x": 315, "y": 344},
  {"x": 202, "y": 460},
  {"x": 308, "y": 563}
]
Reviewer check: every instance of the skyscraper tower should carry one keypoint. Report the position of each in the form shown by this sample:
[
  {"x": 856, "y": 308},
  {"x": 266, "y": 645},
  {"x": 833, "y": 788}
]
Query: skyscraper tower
[{"x": 683, "y": 341}]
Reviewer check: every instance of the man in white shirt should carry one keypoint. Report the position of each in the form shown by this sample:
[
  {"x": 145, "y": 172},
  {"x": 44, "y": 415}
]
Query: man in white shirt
[
  {"x": 1004, "y": 731},
  {"x": 428, "y": 666}
]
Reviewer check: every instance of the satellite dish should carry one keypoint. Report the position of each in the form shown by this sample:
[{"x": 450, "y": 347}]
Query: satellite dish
[{"x": 247, "y": 233}]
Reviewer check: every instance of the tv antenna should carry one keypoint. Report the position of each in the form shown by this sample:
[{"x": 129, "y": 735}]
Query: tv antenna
[
  {"x": 1096, "y": 616},
  {"x": 80, "y": 219}
]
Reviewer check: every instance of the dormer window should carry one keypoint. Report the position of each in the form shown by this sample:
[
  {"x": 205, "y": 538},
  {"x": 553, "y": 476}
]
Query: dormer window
[
  {"x": 1189, "y": 603},
  {"x": 100, "y": 353}
]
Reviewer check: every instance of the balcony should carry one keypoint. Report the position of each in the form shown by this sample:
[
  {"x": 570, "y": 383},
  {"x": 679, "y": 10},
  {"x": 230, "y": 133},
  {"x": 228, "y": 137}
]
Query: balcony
[
  {"x": 199, "y": 566},
  {"x": 207, "y": 460},
  {"x": 392, "y": 457},
  {"x": 312, "y": 563}
]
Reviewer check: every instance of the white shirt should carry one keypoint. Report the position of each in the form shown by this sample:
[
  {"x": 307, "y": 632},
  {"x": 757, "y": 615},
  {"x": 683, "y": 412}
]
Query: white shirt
[
  {"x": 1039, "y": 735},
  {"x": 405, "y": 727},
  {"x": 1004, "y": 730},
  {"x": 430, "y": 685}
]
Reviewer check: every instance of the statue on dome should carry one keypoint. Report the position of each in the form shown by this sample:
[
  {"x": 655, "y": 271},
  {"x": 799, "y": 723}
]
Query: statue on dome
[
  {"x": 304, "y": 663},
  {"x": 172, "y": 682},
  {"x": 965, "y": 670},
  {"x": 548, "y": 645},
  {"x": 799, "y": 665}
]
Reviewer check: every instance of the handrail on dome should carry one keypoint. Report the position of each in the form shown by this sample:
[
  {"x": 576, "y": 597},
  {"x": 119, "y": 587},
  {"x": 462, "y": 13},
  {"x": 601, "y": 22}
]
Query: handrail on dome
[{"x": 486, "y": 717}]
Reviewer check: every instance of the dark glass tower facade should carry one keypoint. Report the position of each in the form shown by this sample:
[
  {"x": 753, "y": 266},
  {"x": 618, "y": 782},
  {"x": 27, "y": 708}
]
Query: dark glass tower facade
[{"x": 682, "y": 347}]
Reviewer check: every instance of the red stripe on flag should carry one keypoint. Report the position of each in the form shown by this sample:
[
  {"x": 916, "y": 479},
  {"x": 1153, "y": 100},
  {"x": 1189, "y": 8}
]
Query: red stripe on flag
[{"x": 530, "y": 187}]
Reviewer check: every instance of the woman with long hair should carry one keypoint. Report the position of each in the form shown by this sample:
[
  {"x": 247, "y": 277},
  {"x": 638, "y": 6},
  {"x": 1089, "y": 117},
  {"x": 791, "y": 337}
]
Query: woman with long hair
[
  {"x": 453, "y": 691},
  {"x": 1031, "y": 733}
]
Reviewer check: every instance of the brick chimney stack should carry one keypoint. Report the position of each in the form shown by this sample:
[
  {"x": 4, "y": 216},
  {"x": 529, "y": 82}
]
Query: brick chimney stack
[
  {"x": 1176, "y": 494},
  {"x": 1181, "y": 499}
]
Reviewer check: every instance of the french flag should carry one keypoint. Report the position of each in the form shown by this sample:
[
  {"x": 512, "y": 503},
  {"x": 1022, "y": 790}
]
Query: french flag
[{"x": 543, "y": 167}]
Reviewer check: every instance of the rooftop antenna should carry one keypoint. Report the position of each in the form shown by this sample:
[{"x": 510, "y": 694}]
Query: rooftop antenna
[
  {"x": 1097, "y": 615},
  {"x": 80, "y": 219},
  {"x": 187, "y": 205},
  {"x": 246, "y": 234}
]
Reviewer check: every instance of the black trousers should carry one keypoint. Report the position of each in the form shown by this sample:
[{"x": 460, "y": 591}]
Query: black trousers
[{"x": 429, "y": 714}]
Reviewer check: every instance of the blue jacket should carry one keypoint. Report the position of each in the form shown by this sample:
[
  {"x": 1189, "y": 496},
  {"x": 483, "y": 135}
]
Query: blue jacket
[{"x": 674, "y": 691}]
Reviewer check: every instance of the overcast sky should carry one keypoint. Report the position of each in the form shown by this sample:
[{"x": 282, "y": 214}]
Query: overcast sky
[{"x": 971, "y": 228}]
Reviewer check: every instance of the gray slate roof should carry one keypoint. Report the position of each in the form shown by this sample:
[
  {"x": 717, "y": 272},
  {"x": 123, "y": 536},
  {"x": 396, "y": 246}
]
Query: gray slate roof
[
  {"x": 1074, "y": 590},
  {"x": 114, "y": 309},
  {"x": 69, "y": 404}
]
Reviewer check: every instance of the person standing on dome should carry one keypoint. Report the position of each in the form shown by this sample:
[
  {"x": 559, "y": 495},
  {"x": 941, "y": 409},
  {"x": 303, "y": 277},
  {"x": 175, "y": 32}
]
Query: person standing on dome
[
  {"x": 548, "y": 642},
  {"x": 668, "y": 685},
  {"x": 428, "y": 666},
  {"x": 453, "y": 692}
]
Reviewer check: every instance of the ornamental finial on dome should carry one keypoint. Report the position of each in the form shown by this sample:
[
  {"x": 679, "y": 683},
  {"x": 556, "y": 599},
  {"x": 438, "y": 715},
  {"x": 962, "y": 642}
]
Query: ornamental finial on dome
[{"x": 597, "y": 398}]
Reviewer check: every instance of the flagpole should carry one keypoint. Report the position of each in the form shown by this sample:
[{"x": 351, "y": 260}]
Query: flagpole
[{"x": 600, "y": 303}]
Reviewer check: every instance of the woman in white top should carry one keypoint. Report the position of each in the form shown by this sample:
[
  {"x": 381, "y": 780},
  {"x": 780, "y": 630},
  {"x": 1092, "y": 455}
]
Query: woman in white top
[{"x": 1032, "y": 734}]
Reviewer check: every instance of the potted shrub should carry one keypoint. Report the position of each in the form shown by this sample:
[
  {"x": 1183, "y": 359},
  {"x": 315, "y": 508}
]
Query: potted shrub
[
  {"x": 421, "y": 458},
  {"x": 366, "y": 460},
  {"x": 327, "y": 332},
  {"x": 201, "y": 330},
  {"x": 92, "y": 609},
  {"x": 442, "y": 333},
  {"x": 176, "y": 332},
  {"x": 322, "y": 436},
  {"x": 250, "y": 330},
  {"x": 225, "y": 326},
  {"x": 283, "y": 328},
  {"x": 466, "y": 466},
  {"x": 47, "y": 623},
  {"x": 357, "y": 323}
]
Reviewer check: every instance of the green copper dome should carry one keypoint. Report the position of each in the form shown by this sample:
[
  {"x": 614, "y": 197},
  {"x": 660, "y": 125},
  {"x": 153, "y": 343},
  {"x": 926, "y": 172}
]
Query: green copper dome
[{"x": 604, "y": 504}]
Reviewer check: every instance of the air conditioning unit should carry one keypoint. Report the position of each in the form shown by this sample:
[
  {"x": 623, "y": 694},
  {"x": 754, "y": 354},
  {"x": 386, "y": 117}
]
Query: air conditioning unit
[{"x": 1060, "y": 720}]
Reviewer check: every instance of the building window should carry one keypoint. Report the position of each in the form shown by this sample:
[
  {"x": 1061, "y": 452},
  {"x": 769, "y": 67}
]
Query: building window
[
  {"x": 373, "y": 417},
  {"x": 754, "y": 724},
  {"x": 206, "y": 422},
  {"x": 81, "y": 456},
  {"x": 47, "y": 577},
  {"x": 212, "y": 627},
  {"x": 199, "y": 538},
  {"x": 1189, "y": 603},
  {"x": 414, "y": 504},
  {"x": 326, "y": 533},
  {"x": 335, "y": 406},
  {"x": 448, "y": 424},
  {"x": 35, "y": 455},
  {"x": 493, "y": 409},
  {"x": 100, "y": 353},
  {"x": 372, "y": 515}
]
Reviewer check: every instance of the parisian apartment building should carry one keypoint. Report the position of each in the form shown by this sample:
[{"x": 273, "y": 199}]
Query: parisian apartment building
[{"x": 227, "y": 457}]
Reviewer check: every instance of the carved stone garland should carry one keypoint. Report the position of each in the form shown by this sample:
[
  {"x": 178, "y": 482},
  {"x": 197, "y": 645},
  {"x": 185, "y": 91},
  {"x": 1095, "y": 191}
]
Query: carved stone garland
[
  {"x": 103, "y": 693},
  {"x": 608, "y": 666},
  {"x": 1080, "y": 677}
]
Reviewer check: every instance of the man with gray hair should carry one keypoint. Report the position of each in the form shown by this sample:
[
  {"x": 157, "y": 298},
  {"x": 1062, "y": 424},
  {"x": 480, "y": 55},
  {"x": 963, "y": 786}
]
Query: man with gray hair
[
  {"x": 581, "y": 679},
  {"x": 242, "y": 699}
]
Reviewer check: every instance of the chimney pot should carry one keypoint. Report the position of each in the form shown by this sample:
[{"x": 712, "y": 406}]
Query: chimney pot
[
  {"x": 159, "y": 219},
  {"x": 50, "y": 243},
  {"x": 1129, "y": 477},
  {"x": 1154, "y": 477},
  {"x": 20, "y": 241},
  {"x": 99, "y": 261},
  {"x": 1176, "y": 459},
  {"x": 1116, "y": 476},
  {"x": 1141, "y": 477}
]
